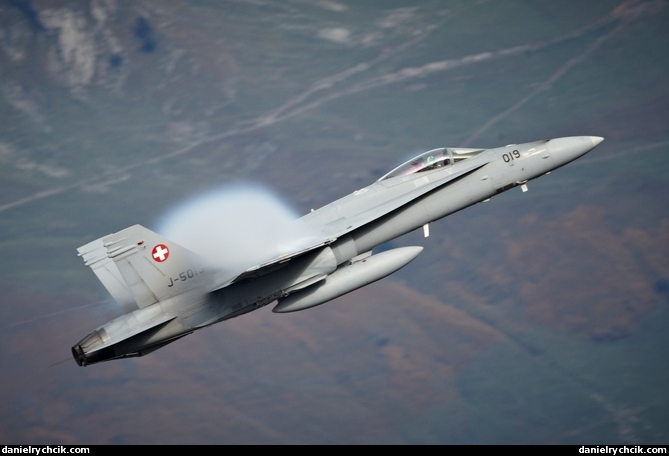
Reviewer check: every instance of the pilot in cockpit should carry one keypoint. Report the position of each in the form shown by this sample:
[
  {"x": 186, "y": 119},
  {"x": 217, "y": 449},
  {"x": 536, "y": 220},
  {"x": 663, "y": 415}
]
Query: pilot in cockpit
[{"x": 435, "y": 161}]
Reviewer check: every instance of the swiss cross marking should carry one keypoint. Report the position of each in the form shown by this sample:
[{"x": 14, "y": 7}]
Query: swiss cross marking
[{"x": 160, "y": 253}]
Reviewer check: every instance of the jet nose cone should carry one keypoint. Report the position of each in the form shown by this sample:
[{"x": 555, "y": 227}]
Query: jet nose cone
[
  {"x": 596, "y": 140},
  {"x": 565, "y": 150}
]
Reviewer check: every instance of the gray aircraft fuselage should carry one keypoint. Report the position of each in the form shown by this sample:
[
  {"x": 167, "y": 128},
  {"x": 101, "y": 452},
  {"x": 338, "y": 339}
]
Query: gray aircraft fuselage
[{"x": 187, "y": 295}]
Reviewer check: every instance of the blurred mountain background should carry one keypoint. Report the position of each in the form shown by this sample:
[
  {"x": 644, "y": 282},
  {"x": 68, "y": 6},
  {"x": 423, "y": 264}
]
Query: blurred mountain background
[{"x": 538, "y": 317}]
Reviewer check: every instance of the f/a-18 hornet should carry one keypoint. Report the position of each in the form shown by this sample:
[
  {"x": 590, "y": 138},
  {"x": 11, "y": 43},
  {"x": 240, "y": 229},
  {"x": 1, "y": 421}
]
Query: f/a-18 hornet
[{"x": 167, "y": 292}]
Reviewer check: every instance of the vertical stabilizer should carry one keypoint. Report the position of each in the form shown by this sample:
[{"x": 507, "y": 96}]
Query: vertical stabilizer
[
  {"x": 139, "y": 267},
  {"x": 95, "y": 256}
]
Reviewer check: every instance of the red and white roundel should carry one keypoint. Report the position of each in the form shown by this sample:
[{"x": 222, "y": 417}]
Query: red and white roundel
[{"x": 160, "y": 253}]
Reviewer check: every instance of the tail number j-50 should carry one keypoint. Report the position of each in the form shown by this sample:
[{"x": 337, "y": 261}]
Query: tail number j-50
[
  {"x": 185, "y": 275},
  {"x": 510, "y": 157}
]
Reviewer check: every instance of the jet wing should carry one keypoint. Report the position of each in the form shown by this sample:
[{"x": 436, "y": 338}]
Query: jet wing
[
  {"x": 379, "y": 199},
  {"x": 359, "y": 209},
  {"x": 276, "y": 263},
  {"x": 356, "y": 210}
]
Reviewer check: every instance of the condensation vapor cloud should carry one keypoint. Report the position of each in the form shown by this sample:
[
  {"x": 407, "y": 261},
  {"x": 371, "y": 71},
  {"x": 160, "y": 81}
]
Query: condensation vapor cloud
[{"x": 236, "y": 227}]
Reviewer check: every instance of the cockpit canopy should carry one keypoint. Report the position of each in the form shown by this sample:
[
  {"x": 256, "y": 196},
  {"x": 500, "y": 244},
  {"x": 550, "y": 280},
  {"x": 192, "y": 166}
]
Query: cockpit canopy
[{"x": 432, "y": 159}]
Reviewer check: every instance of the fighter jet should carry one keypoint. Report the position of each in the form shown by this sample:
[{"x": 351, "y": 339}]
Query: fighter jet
[{"x": 167, "y": 291}]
